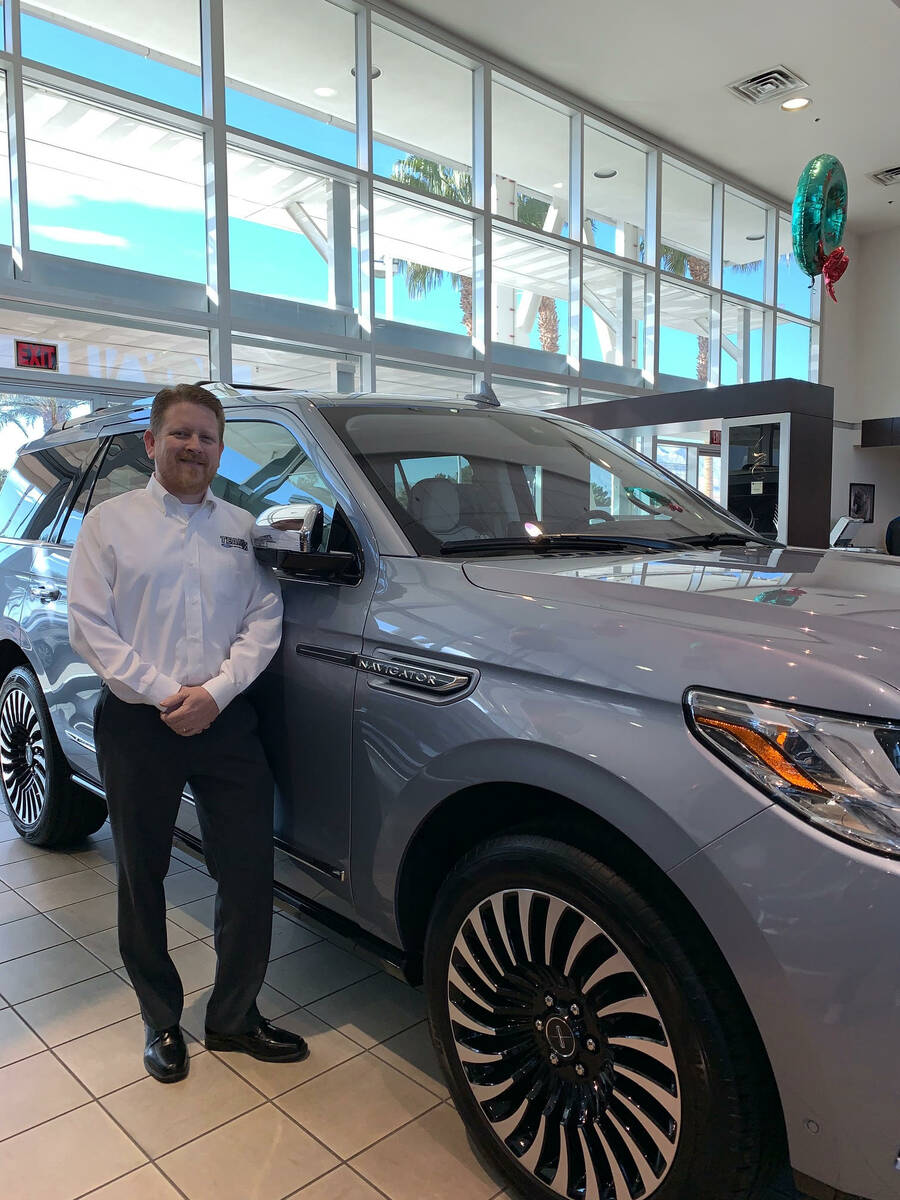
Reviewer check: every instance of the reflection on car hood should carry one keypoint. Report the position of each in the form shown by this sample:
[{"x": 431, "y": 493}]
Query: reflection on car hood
[{"x": 816, "y": 626}]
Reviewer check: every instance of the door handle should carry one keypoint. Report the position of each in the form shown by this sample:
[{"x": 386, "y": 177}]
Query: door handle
[{"x": 45, "y": 592}]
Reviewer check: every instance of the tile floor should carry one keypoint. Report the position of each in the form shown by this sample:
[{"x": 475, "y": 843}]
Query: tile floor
[{"x": 365, "y": 1117}]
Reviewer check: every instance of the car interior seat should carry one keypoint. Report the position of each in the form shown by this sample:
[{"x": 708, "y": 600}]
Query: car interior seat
[{"x": 434, "y": 504}]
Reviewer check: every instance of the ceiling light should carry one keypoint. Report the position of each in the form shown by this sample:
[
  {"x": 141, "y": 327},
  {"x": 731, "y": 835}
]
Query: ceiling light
[
  {"x": 606, "y": 173},
  {"x": 376, "y": 72},
  {"x": 796, "y": 104},
  {"x": 559, "y": 185},
  {"x": 756, "y": 237},
  {"x": 324, "y": 92}
]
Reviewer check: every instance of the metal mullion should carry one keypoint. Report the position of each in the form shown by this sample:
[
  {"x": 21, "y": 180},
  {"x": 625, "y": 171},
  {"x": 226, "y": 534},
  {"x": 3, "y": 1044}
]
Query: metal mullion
[
  {"x": 576, "y": 255},
  {"x": 652, "y": 242},
  {"x": 341, "y": 343},
  {"x": 215, "y": 166},
  {"x": 364, "y": 158},
  {"x": 259, "y": 146},
  {"x": 15, "y": 119},
  {"x": 717, "y": 226},
  {"x": 404, "y": 194},
  {"x": 482, "y": 245},
  {"x": 111, "y": 97},
  {"x": 770, "y": 275},
  {"x": 556, "y": 240}
]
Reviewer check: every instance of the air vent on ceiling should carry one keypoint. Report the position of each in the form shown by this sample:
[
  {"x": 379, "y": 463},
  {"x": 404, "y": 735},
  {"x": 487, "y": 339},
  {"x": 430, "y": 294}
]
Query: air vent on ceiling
[
  {"x": 773, "y": 84},
  {"x": 888, "y": 176}
]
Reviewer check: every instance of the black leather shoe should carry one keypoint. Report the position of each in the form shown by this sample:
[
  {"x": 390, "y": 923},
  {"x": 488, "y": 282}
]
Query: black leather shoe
[
  {"x": 165, "y": 1055},
  {"x": 263, "y": 1041}
]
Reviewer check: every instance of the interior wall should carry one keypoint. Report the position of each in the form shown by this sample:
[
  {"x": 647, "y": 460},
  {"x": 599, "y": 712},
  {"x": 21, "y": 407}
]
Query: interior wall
[
  {"x": 876, "y": 464},
  {"x": 878, "y": 326},
  {"x": 861, "y": 361}
]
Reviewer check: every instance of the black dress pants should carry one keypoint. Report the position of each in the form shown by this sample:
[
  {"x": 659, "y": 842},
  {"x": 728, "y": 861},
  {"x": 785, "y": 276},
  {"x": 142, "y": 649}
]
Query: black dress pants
[{"x": 144, "y": 767}]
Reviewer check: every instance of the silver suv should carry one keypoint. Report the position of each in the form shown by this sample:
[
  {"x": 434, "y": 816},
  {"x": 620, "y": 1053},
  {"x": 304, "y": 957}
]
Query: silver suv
[{"x": 555, "y": 733}]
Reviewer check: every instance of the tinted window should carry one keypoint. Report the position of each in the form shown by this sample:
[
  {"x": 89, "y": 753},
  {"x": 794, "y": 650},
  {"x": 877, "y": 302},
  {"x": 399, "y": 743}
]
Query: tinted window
[
  {"x": 264, "y": 464},
  {"x": 36, "y": 487},
  {"x": 124, "y": 468}
]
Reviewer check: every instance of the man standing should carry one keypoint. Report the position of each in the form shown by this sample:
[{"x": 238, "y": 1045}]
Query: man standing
[{"x": 169, "y": 606}]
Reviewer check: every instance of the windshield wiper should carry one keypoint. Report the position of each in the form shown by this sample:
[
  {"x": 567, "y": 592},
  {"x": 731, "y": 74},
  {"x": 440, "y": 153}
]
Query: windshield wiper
[
  {"x": 548, "y": 542},
  {"x": 723, "y": 539}
]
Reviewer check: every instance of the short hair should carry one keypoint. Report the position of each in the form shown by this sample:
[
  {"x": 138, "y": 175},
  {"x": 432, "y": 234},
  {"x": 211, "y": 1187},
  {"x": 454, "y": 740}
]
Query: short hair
[{"x": 190, "y": 393}]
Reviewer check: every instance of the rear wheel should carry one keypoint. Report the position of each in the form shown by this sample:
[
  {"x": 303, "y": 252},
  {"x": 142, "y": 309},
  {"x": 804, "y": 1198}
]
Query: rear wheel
[
  {"x": 45, "y": 807},
  {"x": 588, "y": 1055}
]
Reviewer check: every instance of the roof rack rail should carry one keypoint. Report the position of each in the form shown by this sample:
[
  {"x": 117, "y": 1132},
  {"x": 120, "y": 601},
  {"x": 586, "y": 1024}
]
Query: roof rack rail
[
  {"x": 484, "y": 395},
  {"x": 236, "y": 388}
]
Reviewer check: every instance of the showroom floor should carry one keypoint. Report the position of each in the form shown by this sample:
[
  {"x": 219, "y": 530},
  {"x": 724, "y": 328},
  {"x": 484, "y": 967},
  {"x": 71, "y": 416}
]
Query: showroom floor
[{"x": 367, "y": 1115}]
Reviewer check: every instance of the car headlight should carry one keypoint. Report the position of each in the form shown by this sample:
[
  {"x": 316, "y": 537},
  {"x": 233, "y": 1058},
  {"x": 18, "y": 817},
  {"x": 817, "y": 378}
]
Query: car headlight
[{"x": 840, "y": 774}]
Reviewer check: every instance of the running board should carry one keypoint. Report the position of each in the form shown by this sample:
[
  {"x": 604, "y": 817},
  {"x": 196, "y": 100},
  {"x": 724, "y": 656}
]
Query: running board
[{"x": 396, "y": 962}]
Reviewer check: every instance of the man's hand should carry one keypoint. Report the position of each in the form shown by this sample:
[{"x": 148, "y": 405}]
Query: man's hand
[{"x": 189, "y": 711}]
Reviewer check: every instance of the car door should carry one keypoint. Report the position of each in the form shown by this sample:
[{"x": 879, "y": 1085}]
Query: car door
[{"x": 305, "y": 698}]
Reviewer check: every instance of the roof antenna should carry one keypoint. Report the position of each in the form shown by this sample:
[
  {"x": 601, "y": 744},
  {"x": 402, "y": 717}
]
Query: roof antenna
[{"x": 484, "y": 395}]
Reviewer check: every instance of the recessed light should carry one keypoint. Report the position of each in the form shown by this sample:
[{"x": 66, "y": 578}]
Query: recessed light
[
  {"x": 324, "y": 92},
  {"x": 606, "y": 173},
  {"x": 559, "y": 185},
  {"x": 756, "y": 237},
  {"x": 796, "y": 104},
  {"x": 376, "y": 72}
]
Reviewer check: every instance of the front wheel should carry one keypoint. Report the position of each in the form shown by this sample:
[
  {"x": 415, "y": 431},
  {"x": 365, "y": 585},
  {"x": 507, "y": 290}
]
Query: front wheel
[
  {"x": 582, "y": 1048},
  {"x": 44, "y": 805}
]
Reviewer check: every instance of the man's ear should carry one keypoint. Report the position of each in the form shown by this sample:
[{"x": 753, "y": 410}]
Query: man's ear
[{"x": 149, "y": 443}]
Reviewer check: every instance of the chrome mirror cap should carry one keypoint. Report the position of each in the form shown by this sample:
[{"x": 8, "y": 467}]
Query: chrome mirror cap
[{"x": 287, "y": 528}]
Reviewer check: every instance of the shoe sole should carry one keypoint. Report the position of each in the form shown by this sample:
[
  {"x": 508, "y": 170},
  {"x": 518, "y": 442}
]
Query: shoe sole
[
  {"x": 225, "y": 1045},
  {"x": 168, "y": 1078}
]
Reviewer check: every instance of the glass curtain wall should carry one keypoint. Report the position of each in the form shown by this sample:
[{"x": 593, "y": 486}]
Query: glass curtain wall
[{"x": 332, "y": 198}]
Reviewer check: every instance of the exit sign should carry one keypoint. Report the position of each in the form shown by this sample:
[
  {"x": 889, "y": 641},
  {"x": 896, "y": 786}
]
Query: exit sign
[
  {"x": 37, "y": 354},
  {"x": 715, "y": 437}
]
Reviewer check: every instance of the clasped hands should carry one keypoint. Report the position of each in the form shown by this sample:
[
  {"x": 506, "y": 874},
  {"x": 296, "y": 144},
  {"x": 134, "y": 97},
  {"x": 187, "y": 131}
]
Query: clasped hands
[{"x": 189, "y": 711}]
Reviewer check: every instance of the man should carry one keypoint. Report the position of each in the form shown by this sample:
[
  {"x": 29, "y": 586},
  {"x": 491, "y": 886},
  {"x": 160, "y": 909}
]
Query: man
[{"x": 169, "y": 606}]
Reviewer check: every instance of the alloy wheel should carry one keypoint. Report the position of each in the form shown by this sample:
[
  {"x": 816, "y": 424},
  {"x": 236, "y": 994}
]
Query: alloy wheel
[
  {"x": 564, "y": 1048},
  {"x": 23, "y": 756}
]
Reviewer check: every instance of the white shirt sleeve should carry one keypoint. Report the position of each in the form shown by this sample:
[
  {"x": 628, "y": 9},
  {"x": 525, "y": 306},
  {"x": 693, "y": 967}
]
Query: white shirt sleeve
[
  {"x": 255, "y": 645},
  {"x": 92, "y": 621}
]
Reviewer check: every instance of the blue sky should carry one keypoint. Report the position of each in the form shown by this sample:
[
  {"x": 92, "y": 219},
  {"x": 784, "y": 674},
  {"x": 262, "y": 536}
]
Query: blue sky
[{"x": 146, "y": 237}]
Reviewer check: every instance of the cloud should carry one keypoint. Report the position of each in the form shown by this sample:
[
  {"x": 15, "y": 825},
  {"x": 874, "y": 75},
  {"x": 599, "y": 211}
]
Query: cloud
[{"x": 80, "y": 237}]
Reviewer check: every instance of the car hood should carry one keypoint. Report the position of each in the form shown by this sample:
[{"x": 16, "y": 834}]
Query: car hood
[{"x": 811, "y": 626}]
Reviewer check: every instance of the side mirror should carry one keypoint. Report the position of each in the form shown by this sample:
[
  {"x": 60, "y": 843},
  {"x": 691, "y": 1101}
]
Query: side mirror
[
  {"x": 287, "y": 529},
  {"x": 286, "y": 538}
]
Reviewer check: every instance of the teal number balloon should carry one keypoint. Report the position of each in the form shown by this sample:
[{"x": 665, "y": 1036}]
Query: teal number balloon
[{"x": 818, "y": 220}]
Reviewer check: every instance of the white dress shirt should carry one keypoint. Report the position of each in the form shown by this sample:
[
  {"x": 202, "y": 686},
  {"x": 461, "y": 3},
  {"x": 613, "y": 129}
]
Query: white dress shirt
[{"x": 163, "y": 594}]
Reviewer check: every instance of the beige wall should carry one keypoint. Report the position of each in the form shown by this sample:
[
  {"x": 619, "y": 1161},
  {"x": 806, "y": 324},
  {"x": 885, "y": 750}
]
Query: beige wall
[{"x": 861, "y": 361}]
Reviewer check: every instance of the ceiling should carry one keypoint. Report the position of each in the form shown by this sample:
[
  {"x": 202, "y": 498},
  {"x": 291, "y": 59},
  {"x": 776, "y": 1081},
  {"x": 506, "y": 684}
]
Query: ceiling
[{"x": 665, "y": 68}]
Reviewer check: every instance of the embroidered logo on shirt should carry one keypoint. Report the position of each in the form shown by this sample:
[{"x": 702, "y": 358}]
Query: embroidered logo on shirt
[{"x": 233, "y": 542}]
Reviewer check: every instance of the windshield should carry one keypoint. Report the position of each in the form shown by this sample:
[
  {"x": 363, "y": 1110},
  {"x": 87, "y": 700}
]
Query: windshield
[{"x": 457, "y": 475}]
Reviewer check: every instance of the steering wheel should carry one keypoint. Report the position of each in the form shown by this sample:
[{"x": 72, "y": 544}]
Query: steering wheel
[{"x": 598, "y": 514}]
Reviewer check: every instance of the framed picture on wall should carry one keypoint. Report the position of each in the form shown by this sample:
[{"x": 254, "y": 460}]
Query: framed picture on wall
[{"x": 862, "y": 502}]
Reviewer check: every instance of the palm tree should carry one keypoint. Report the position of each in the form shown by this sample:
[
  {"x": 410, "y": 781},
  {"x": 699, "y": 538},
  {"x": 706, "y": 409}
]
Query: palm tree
[
  {"x": 433, "y": 179},
  {"x": 533, "y": 212},
  {"x": 23, "y": 410},
  {"x": 679, "y": 262}
]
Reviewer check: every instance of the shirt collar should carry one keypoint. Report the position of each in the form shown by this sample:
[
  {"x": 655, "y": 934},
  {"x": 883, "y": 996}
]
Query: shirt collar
[{"x": 171, "y": 504}]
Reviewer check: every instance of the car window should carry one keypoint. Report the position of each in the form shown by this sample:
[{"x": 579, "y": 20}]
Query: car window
[
  {"x": 125, "y": 467},
  {"x": 263, "y": 464},
  {"x": 36, "y": 487},
  {"x": 488, "y": 473}
]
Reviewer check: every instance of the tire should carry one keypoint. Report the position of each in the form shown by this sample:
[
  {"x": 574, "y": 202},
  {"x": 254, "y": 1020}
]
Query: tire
[
  {"x": 44, "y": 805},
  {"x": 589, "y": 1053}
]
